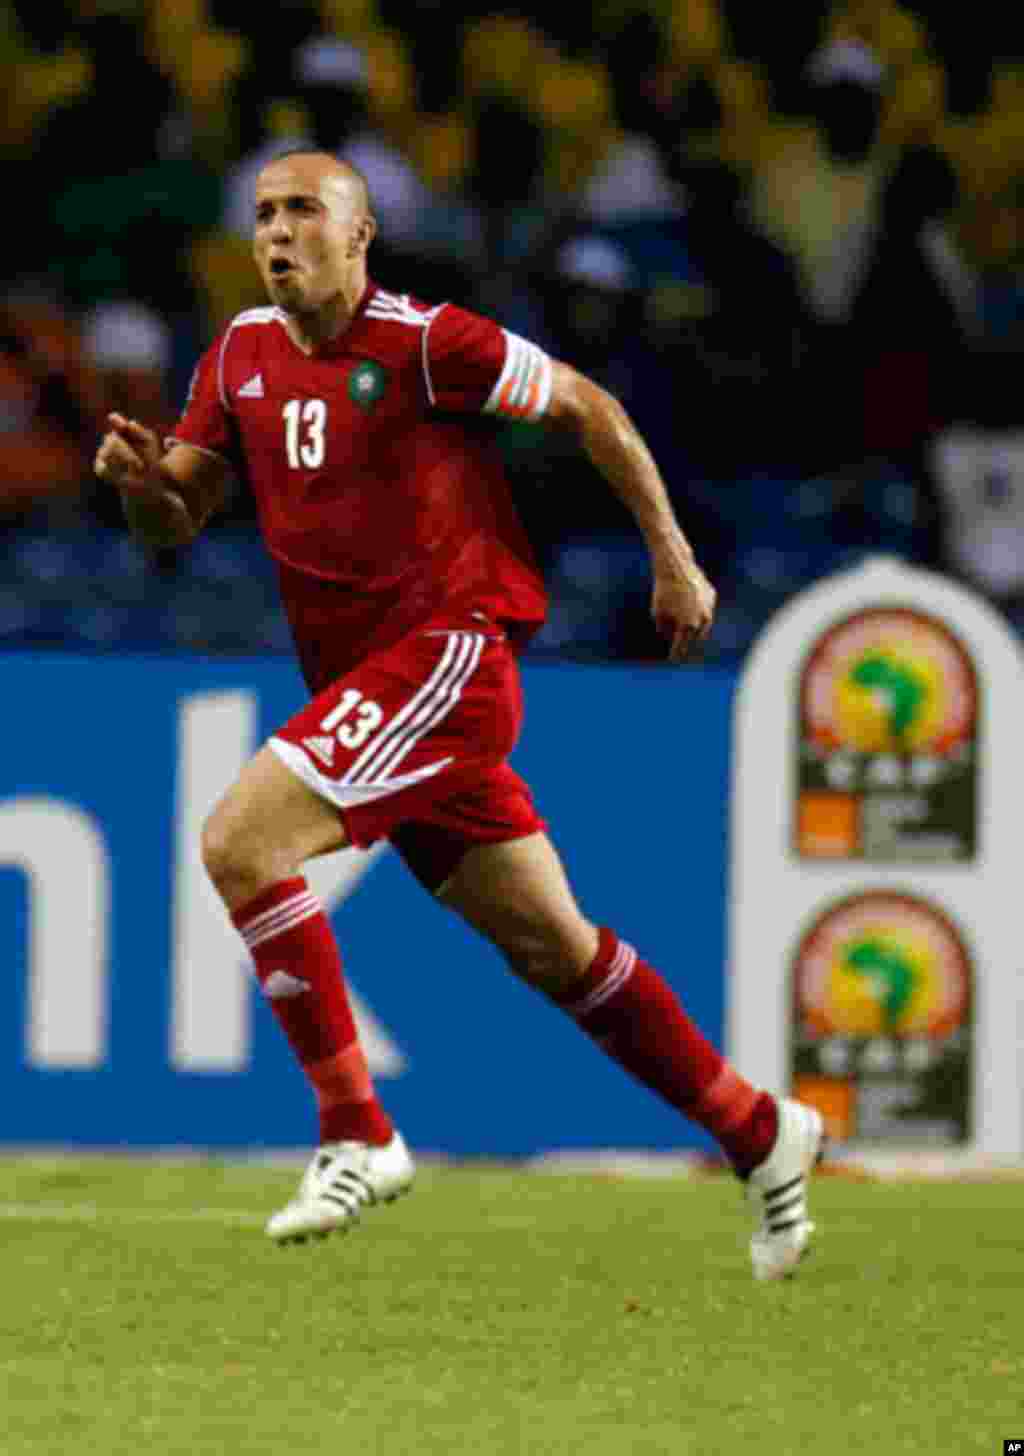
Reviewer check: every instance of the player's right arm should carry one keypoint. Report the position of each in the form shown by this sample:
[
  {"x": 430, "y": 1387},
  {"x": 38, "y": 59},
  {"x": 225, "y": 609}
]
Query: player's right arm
[
  {"x": 171, "y": 488},
  {"x": 168, "y": 495}
]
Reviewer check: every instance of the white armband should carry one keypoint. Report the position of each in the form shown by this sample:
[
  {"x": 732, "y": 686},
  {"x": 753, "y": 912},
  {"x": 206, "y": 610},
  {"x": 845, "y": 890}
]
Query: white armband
[{"x": 523, "y": 390}]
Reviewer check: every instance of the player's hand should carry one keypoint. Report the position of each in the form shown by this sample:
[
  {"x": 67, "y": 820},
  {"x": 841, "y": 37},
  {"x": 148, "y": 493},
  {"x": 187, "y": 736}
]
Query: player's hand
[
  {"x": 128, "y": 457},
  {"x": 683, "y": 606}
]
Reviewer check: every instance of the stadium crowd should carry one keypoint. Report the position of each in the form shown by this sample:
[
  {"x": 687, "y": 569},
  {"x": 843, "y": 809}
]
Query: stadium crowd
[{"x": 794, "y": 249}]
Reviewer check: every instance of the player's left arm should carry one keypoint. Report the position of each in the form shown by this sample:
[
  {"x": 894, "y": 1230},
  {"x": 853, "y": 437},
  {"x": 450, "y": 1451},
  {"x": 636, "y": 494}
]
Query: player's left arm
[{"x": 683, "y": 601}]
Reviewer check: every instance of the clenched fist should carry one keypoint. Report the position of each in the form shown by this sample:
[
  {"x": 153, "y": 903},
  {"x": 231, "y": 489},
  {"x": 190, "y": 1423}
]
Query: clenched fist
[
  {"x": 129, "y": 457},
  {"x": 683, "y": 606}
]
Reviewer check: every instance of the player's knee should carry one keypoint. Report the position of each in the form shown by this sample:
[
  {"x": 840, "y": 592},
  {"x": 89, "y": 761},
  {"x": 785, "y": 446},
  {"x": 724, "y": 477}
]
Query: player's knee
[
  {"x": 544, "y": 956},
  {"x": 216, "y": 848},
  {"x": 227, "y": 849}
]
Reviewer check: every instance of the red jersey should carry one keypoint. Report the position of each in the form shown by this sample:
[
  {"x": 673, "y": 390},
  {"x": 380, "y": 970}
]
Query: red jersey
[{"x": 382, "y": 509}]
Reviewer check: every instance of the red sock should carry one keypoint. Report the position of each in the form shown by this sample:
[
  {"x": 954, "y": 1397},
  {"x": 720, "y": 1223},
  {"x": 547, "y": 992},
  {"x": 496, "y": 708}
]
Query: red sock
[
  {"x": 298, "y": 966},
  {"x": 635, "y": 1016}
]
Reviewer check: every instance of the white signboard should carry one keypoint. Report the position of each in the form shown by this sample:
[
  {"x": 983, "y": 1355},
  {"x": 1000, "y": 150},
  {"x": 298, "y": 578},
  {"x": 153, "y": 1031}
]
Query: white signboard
[{"x": 876, "y": 962}]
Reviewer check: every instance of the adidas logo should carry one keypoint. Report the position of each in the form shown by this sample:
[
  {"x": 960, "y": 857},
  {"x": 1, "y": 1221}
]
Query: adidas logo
[
  {"x": 252, "y": 388},
  {"x": 280, "y": 986},
  {"x": 321, "y": 748}
]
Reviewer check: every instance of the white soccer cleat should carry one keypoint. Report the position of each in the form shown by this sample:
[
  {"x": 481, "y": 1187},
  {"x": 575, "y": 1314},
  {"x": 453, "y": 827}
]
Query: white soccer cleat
[
  {"x": 342, "y": 1179},
  {"x": 779, "y": 1187}
]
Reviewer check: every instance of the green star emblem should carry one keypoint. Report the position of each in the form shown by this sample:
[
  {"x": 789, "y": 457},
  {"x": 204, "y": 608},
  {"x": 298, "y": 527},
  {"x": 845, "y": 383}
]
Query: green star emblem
[{"x": 367, "y": 383}]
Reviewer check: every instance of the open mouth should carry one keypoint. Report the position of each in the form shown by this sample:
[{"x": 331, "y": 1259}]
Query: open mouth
[{"x": 280, "y": 266}]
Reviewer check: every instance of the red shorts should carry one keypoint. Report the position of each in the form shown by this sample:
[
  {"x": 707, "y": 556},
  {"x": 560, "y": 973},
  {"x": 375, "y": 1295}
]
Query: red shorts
[{"x": 411, "y": 746}]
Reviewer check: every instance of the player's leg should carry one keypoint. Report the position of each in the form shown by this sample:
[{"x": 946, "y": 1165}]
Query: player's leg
[
  {"x": 254, "y": 845},
  {"x": 367, "y": 754},
  {"x": 263, "y": 830},
  {"x": 516, "y": 893}
]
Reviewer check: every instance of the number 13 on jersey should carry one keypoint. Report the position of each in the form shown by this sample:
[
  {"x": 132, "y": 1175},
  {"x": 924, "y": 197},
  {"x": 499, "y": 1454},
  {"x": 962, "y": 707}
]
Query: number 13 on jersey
[{"x": 305, "y": 425}]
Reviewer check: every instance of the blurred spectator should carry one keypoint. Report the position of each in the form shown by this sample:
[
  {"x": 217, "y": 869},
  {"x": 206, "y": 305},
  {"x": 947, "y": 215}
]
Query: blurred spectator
[
  {"x": 745, "y": 353},
  {"x": 435, "y": 60},
  {"x": 48, "y": 403},
  {"x": 42, "y": 69},
  {"x": 911, "y": 318},
  {"x": 782, "y": 49},
  {"x": 86, "y": 136},
  {"x": 589, "y": 306},
  {"x": 980, "y": 473},
  {"x": 629, "y": 180},
  {"x": 819, "y": 194},
  {"x": 584, "y": 309},
  {"x": 978, "y": 460},
  {"x": 724, "y": 305},
  {"x": 129, "y": 346},
  {"x": 273, "y": 35},
  {"x": 115, "y": 196},
  {"x": 516, "y": 229}
]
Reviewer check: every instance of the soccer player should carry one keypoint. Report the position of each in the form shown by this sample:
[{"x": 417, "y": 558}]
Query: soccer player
[{"x": 409, "y": 585}]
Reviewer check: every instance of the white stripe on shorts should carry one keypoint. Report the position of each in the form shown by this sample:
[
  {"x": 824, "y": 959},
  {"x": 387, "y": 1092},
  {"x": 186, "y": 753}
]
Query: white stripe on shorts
[
  {"x": 424, "y": 710},
  {"x": 445, "y": 701},
  {"x": 348, "y": 796},
  {"x": 384, "y": 735}
]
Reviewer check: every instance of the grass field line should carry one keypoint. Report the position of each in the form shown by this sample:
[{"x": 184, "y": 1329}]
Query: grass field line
[{"x": 94, "y": 1212}]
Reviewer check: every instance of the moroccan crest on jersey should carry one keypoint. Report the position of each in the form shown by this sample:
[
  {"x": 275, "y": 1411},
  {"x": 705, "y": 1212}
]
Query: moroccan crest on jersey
[{"x": 367, "y": 383}]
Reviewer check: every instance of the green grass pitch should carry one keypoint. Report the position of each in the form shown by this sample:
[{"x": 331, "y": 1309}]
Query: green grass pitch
[{"x": 501, "y": 1313}]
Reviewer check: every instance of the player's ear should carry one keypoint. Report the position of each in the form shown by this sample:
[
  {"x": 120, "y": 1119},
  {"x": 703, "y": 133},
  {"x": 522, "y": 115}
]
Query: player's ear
[{"x": 363, "y": 235}]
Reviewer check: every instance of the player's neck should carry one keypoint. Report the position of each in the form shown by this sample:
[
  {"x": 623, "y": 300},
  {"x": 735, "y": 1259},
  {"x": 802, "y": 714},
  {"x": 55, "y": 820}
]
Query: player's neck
[{"x": 311, "y": 331}]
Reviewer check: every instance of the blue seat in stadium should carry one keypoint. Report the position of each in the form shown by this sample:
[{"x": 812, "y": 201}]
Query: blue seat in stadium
[
  {"x": 93, "y": 624},
  {"x": 271, "y": 632},
  {"x": 736, "y": 625},
  {"x": 20, "y": 616},
  {"x": 144, "y": 628},
  {"x": 120, "y": 556},
  {"x": 228, "y": 556},
  {"x": 895, "y": 514},
  {"x": 45, "y": 559}
]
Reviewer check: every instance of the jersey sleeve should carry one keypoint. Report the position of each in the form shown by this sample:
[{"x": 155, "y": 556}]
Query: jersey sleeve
[
  {"x": 472, "y": 364},
  {"x": 206, "y": 421}
]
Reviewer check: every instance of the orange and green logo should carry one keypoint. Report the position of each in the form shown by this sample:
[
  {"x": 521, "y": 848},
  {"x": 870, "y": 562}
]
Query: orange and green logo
[
  {"x": 889, "y": 680},
  {"x": 882, "y": 964}
]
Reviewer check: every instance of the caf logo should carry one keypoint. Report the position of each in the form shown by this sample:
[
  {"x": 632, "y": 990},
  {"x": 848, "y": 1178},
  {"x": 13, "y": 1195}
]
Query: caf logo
[
  {"x": 882, "y": 964},
  {"x": 889, "y": 680}
]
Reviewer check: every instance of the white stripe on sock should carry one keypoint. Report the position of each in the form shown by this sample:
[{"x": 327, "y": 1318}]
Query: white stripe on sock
[
  {"x": 619, "y": 972},
  {"x": 279, "y": 927},
  {"x": 267, "y": 917}
]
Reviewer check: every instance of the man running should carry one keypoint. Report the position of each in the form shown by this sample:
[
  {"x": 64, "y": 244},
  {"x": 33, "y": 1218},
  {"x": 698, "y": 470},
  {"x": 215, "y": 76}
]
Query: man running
[{"x": 354, "y": 413}]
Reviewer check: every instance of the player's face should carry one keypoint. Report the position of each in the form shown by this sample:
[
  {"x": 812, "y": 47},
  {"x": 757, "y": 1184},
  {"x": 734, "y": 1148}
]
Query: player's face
[{"x": 307, "y": 240}]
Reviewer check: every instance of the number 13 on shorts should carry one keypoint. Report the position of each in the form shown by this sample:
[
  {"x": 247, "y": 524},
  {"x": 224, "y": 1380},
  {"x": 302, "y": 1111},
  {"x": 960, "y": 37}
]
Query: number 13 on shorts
[{"x": 367, "y": 716}]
